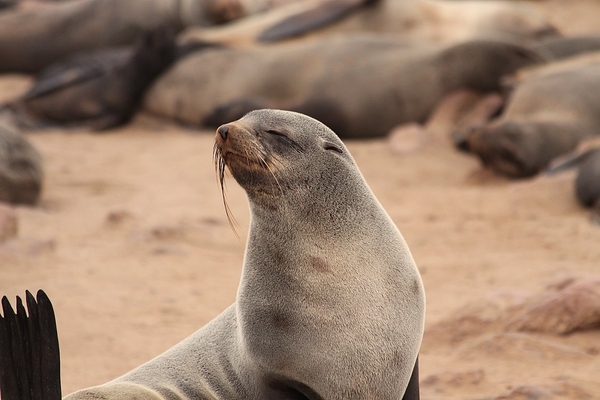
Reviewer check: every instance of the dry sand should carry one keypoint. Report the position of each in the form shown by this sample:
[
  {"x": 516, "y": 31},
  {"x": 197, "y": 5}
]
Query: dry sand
[{"x": 132, "y": 245}]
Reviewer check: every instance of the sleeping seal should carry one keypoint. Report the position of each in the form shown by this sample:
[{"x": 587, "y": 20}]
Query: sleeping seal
[
  {"x": 546, "y": 116},
  {"x": 33, "y": 38},
  {"x": 391, "y": 83},
  {"x": 101, "y": 90}
]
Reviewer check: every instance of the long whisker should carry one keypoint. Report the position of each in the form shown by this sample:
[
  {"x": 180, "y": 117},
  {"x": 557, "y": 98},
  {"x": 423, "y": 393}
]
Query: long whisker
[
  {"x": 266, "y": 164},
  {"x": 220, "y": 176}
]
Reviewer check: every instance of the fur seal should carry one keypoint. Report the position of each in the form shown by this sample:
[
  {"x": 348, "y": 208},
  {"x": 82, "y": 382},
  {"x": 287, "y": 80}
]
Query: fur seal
[
  {"x": 391, "y": 83},
  {"x": 437, "y": 21},
  {"x": 330, "y": 303},
  {"x": 101, "y": 89},
  {"x": 21, "y": 173},
  {"x": 546, "y": 116},
  {"x": 33, "y": 38}
]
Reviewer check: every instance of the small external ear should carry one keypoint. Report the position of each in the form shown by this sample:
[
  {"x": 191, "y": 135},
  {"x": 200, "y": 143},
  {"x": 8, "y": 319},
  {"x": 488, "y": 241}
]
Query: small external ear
[{"x": 332, "y": 147}]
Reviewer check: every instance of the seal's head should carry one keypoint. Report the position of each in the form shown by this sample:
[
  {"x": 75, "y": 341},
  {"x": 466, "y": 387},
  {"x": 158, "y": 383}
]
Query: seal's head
[
  {"x": 274, "y": 152},
  {"x": 291, "y": 162},
  {"x": 503, "y": 148}
]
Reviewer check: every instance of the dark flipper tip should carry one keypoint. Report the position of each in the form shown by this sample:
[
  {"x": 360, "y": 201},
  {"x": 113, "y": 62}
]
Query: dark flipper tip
[
  {"x": 29, "y": 353},
  {"x": 322, "y": 15}
]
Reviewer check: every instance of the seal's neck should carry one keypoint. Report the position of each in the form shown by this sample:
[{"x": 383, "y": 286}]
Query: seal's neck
[{"x": 322, "y": 213}]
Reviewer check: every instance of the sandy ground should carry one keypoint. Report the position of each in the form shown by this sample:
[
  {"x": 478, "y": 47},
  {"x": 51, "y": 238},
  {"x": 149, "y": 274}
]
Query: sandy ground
[{"x": 131, "y": 243}]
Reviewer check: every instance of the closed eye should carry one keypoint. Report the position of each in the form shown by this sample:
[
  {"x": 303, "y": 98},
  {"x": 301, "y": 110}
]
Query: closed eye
[
  {"x": 332, "y": 147},
  {"x": 276, "y": 133},
  {"x": 283, "y": 137}
]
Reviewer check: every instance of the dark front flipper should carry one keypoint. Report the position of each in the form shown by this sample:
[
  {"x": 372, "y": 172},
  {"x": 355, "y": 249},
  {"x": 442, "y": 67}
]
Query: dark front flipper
[
  {"x": 322, "y": 15},
  {"x": 412, "y": 391},
  {"x": 28, "y": 349},
  {"x": 59, "y": 77}
]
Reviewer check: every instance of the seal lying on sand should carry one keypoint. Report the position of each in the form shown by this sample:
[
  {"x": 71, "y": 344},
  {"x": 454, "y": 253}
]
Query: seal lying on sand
[
  {"x": 33, "y": 38},
  {"x": 101, "y": 89},
  {"x": 438, "y": 21},
  {"x": 546, "y": 116},
  {"x": 21, "y": 173},
  {"x": 330, "y": 303},
  {"x": 390, "y": 83}
]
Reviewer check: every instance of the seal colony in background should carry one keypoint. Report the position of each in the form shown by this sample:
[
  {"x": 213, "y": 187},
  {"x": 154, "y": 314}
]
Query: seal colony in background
[
  {"x": 330, "y": 303},
  {"x": 392, "y": 83}
]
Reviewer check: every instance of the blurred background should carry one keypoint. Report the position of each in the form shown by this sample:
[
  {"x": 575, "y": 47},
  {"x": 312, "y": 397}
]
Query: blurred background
[{"x": 478, "y": 124}]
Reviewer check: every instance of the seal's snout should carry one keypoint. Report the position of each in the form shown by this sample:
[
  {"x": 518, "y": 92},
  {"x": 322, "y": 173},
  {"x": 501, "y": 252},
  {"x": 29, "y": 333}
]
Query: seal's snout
[{"x": 223, "y": 130}]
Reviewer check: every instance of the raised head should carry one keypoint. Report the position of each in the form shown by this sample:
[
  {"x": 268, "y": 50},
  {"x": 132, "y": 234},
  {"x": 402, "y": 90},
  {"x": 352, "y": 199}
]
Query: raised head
[{"x": 275, "y": 152}]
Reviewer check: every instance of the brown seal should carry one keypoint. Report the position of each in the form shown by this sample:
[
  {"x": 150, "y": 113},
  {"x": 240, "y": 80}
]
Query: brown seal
[
  {"x": 391, "y": 83},
  {"x": 101, "y": 89},
  {"x": 330, "y": 303},
  {"x": 33, "y": 38},
  {"x": 546, "y": 116}
]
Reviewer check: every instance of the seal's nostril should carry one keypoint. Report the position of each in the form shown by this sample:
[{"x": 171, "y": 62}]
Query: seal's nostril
[{"x": 223, "y": 131}]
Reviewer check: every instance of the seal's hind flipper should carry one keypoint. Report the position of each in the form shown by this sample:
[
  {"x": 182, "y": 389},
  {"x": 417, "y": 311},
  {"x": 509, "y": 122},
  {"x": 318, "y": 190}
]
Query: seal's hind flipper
[
  {"x": 412, "y": 390},
  {"x": 61, "y": 79},
  {"x": 322, "y": 15},
  {"x": 48, "y": 348},
  {"x": 9, "y": 382},
  {"x": 29, "y": 353}
]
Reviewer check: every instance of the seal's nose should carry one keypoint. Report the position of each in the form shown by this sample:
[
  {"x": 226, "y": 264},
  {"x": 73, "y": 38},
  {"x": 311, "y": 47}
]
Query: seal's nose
[{"x": 223, "y": 131}]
